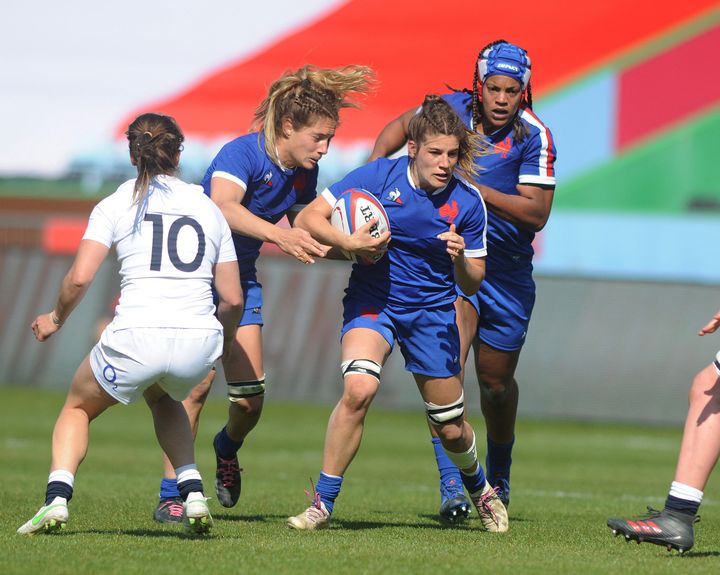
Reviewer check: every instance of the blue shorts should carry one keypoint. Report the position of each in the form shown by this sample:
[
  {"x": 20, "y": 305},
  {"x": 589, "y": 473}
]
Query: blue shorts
[
  {"x": 428, "y": 338},
  {"x": 252, "y": 296},
  {"x": 504, "y": 304}
]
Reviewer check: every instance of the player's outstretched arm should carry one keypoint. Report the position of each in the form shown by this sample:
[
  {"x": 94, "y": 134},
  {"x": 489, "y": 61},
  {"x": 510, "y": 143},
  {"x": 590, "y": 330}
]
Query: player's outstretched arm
[
  {"x": 711, "y": 326},
  {"x": 76, "y": 282},
  {"x": 392, "y": 137},
  {"x": 294, "y": 242}
]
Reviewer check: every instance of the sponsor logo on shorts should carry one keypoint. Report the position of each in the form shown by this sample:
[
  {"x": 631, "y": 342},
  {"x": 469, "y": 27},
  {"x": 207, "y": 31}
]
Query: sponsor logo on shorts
[{"x": 110, "y": 375}]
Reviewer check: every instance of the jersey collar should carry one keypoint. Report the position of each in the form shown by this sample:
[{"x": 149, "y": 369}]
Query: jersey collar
[{"x": 414, "y": 187}]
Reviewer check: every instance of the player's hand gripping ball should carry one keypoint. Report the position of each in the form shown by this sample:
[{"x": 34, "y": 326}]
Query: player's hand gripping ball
[{"x": 355, "y": 208}]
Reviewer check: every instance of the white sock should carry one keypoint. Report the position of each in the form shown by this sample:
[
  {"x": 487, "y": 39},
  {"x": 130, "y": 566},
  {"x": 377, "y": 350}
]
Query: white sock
[
  {"x": 187, "y": 472},
  {"x": 62, "y": 476},
  {"x": 682, "y": 491}
]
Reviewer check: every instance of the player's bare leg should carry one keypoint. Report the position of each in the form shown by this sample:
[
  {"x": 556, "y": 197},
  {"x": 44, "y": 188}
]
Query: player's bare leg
[
  {"x": 364, "y": 351},
  {"x": 246, "y": 391},
  {"x": 170, "y": 505},
  {"x": 85, "y": 401}
]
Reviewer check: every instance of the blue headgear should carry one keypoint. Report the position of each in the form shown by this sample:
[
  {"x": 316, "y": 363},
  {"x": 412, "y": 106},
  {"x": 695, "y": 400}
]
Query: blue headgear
[{"x": 505, "y": 60}]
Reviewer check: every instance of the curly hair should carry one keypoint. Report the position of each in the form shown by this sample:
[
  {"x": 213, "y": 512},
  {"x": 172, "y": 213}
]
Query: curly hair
[{"x": 306, "y": 95}]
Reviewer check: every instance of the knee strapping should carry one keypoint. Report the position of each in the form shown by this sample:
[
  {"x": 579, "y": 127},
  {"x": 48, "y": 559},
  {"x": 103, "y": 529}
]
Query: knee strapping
[
  {"x": 465, "y": 459},
  {"x": 360, "y": 366},
  {"x": 238, "y": 390},
  {"x": 439, "y": 414}
]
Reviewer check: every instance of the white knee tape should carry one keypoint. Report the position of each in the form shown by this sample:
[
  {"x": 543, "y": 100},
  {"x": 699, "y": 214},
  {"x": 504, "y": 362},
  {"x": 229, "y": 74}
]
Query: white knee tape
[
  {"x": 465, "y": 459},
  {"x": 439, "y": 414},
  {"x": 360, "y": 366},
  {"x": 238, "y": 390}
]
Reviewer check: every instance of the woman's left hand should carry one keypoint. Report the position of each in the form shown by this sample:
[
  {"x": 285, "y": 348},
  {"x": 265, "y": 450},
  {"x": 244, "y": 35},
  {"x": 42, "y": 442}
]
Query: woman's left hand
[{"x": 455, "y": 242}]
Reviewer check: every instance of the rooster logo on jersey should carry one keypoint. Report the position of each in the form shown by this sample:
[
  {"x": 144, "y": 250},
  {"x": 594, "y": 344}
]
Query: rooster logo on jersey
[
  {"x": 503, "y": 147},
  {"x": 449, "y": 211}
]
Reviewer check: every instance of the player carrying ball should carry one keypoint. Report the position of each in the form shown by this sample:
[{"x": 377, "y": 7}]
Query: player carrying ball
[{"x": 437, "y": 221}]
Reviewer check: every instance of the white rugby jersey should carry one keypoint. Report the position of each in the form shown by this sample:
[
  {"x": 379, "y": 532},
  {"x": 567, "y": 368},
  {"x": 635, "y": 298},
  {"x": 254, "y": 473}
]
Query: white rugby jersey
[{"x": 167, "y": 247}]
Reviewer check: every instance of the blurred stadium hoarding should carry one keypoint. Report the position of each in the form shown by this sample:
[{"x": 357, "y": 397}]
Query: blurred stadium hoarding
[
  {"x": 637, "y": 204},
  {"x": 630, "y": 149}
]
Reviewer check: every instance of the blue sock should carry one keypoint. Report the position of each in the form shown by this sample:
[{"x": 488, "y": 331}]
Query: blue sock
[
  {"x": 449, "y": 474},
  {"x": 474, "y": 483},
  {"x": 499, "y": 459},
  {"x": 682, "y": 505},
  {"x": 224, "y": 446},
  {"x": 187, "y": 487},
  {"x": 57, "y": 489},
  {"x": 168, "y": 488},
  {"x": 328, "y": 486}
]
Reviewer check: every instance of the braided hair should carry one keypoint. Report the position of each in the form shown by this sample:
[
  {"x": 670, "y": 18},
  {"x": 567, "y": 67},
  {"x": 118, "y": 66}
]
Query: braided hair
[
  {"x": 475, "y": 105},
  {"x": 155, "y": 143},
  {"x": 306, "y": 95}
]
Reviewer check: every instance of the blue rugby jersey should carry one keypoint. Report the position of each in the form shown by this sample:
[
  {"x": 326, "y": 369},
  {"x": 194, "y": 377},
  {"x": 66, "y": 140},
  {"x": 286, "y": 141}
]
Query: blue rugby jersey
[
  {"x": 270, "y": 191},
  {"x": 510, "y": 163},
  {"x": 417, "y": 270}
]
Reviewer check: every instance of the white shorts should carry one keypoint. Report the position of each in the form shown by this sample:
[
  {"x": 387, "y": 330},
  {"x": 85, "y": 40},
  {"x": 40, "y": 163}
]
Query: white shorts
[{"x": 128, "y": 361}]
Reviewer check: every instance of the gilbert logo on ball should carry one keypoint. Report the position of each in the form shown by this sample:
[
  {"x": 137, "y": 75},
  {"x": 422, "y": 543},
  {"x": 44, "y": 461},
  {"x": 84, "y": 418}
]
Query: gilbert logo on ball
[{"x": 355, "y": 208}]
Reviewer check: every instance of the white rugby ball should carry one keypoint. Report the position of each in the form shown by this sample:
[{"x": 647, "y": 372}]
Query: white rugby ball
[{"x": 355, "y": 208}]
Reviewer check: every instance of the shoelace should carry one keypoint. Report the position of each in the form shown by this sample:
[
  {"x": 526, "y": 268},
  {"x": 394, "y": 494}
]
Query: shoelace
[
  {"x": 484, "y": 502},
  {"x": 653, "y": 513},
  {"x": 229, "y": 469},
  {"x": 449, "y": 491},
  {"x": 315, "y": 512},
  {"x": 174, "y": 508}
]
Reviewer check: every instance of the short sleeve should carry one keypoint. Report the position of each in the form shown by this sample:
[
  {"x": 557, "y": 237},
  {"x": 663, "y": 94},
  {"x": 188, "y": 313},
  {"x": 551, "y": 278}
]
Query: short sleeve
[
  {"x": 101, "y": 226},
  {"x": 474, "y": 230},
  {"x": 538, "y": 160},
  {"x": 234, "y": 163}
]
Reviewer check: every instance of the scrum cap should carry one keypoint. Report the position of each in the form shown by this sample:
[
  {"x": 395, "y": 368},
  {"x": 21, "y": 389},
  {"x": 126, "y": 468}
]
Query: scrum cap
[{"x": 505, "y": 60}]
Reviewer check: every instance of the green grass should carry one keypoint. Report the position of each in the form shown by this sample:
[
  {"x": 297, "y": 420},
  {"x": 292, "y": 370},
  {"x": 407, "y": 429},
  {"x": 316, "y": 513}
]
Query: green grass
[{"x": 567, "y": 479}]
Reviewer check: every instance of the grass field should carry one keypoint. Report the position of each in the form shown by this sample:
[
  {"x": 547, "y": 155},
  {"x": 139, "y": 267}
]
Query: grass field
[{"x": 567, "y": 479}]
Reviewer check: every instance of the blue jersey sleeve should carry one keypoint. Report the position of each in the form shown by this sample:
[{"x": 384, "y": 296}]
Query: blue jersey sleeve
[
  {"x": 538, "y": 158},
  {"x": 236, "y": 162},
  {"x": 474, "y": 229}
]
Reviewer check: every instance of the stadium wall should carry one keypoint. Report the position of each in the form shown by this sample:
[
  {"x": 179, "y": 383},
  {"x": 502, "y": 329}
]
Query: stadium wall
[{"x": 597, "y": 350}]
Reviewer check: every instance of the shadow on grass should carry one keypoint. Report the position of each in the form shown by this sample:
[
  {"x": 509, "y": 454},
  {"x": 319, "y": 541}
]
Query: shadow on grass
[
  {"x": 250, "y": 518},
  {"x": 170, "y": 533},
  {"x": 700, "y": 554},
  {"x": 473, "y": 519}
]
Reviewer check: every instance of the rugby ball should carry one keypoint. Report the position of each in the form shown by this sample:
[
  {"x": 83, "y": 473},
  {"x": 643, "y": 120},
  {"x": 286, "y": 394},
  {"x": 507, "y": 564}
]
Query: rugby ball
[{"x": 352, "y": 210}]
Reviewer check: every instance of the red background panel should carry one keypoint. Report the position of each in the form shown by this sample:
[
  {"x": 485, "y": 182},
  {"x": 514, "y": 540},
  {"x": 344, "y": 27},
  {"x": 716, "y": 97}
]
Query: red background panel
[
  {"x": 418, "y": 47},
  {"x": 667, "y": 88},
  {"x": 62, "y": 236}
]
